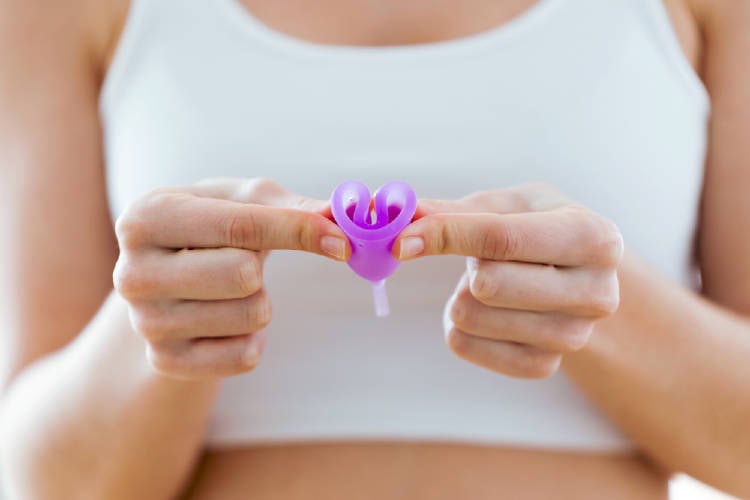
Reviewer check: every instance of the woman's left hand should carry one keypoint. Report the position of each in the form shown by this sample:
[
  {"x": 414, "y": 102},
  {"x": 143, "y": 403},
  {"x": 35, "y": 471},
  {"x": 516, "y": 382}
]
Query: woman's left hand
[{"x": 541, "y": 270}]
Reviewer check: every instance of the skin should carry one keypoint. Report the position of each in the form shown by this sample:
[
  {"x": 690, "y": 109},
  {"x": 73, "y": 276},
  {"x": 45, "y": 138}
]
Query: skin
[
  {"x": 191, "y": 269},
  {"x": 500, "y": 317},
  {"x": 682, "y": 398}
]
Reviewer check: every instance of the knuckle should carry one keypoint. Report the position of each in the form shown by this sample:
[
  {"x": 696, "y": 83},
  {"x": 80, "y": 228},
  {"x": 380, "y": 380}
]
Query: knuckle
[
  {"x": 614, "y": 248},
  {"x": 152, "y": 326},
  {"x": 127, "y": 279},
  {"x": 245, "y": 365},
  {"x": 132, "y": 227},
  {"x": 522, "y": 197},
  {"x": 540, "y": 196},
  {"x": 244, "y": 191},
  {"x": 458, "y": 342},
  {"x": 604, "y": 299},
  {"x": 535, "y": 364},
  {"x": 464, "y": 292},
  {"x": 258, "y": 190},
  {"x": 119, "y": 275},
  {"x": 265, "y": 312},
  {"x": 166, "y": 361},
  {"x": 501, "y": 242},
  {"x": 611, "y": 246},
  {"x": 243, "y": 231},
  {"x": 606, "y": 241},
  {"x": 460, "y": 314},
  {"x": 306, "y": 234},
  {"x": 239, "y": 362},
  {"x": 574, "y": 335},
  {"x": 484, "y": 287},
  {"x": 440, "y": 233},
  {"x": 483, "y": 199},
  {"x": 248, "y": 275},
  {"x": 265, "y": 185},
  {"x": 490, "y": 245},
  {"x": 257, "y": 312},
  {"x": 440, "y": 230}
]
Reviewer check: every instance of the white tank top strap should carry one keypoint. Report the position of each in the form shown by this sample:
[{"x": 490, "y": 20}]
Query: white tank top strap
[
  {"x": 132, "y": 39},
  {"x": 656, "y": 19}
]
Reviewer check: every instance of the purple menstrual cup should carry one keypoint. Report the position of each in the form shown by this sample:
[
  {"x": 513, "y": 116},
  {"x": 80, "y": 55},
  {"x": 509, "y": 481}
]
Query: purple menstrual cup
[{"x": 372, "y": 225}]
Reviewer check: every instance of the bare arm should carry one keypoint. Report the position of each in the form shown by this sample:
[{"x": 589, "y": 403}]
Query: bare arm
[
  {"x": 95, "y": 405},
  {"x": 97, "y": 411},
  {"x": 672, "y": 368}
]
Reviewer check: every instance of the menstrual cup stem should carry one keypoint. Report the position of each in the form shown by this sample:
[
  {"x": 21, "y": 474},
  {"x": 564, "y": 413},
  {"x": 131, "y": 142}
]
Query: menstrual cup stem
[{"x": 380, "y": 298}]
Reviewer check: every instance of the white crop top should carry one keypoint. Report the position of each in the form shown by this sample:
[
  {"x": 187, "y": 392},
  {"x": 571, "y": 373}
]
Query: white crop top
[{"x": 593, "y": 96}]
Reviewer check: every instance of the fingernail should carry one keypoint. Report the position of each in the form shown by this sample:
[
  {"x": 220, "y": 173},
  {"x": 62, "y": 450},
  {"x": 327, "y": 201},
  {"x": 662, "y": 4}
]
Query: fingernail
[
  {"x": 472, "y": 264},
  {"x": 333, "y": 246},
  {"x": 411, "y": 247}
]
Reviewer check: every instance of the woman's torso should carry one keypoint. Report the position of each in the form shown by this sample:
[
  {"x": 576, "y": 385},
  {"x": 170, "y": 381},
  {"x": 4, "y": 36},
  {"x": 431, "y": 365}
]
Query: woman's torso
[{"x": 572, "y": 100}]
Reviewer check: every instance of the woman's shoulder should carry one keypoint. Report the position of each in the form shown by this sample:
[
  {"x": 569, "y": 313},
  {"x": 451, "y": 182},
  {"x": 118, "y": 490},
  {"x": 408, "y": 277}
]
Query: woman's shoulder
[
  {"x": 711, "y": 14},
  {"x": 48, "y": 27},
  {"x": 725, "y": 33},
  {"x": 708, "y": 29}
]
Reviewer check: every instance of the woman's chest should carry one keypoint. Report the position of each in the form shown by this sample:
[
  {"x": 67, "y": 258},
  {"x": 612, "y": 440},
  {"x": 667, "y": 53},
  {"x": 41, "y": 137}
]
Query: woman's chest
[
  {"x": 382, "y": 23},
  {"x": 600, "y": 114}
]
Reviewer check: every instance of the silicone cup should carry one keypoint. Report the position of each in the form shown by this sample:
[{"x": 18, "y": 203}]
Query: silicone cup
[{"x": 392, "y": 209}]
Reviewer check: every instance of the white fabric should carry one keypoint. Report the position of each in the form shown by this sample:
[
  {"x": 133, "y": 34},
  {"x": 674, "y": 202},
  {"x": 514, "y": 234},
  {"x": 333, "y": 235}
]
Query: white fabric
[{"x": 592, "y": 96}]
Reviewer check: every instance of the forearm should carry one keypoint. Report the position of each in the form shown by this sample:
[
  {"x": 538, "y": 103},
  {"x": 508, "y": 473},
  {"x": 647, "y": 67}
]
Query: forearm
[
  {"x": 673, "y": 370},
  {"x": 95, "y": 421}
]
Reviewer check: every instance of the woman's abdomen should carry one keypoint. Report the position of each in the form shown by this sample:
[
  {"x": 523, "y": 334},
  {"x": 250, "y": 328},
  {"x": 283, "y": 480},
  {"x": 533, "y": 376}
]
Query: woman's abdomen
[{"x": 350, "y": 471}]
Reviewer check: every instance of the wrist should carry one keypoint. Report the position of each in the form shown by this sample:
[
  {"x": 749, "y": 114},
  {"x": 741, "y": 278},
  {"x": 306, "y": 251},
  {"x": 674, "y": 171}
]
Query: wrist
[
  {"x": 613, "y": 336},
  {"x": 112, "y": 350}
]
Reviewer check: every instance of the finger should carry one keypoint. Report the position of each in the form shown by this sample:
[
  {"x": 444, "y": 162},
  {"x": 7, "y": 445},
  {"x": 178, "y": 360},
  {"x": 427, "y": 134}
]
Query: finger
[
  {"x": 565, "y": 237},
  {"x": 209, "y": 357},
  {"x": 497, "y": 202},
  {"x": 548, "y": 331},
  {"x": 522, "y": 198},
  {"x": 427, "y": 207},
  {"x": 515, "y": 360},
  {"x": 183, "y": 220},
  {"x": 587, "y": 292},
  {"x": 198, "y": 274},
  {"x": 259, "y": 191},
  {"x": 159, "y": 323}
]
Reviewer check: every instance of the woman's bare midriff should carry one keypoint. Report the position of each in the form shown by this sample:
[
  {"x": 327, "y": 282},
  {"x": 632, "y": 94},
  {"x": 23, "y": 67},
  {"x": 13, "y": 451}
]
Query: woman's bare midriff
[{"x": 421, "y": 472}]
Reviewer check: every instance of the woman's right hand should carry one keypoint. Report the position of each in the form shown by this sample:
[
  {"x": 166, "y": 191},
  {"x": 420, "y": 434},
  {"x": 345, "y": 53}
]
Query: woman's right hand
[{"x": 191, "y": 269}]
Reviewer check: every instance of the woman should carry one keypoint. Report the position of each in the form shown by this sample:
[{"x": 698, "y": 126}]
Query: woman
[{"x": 126, "y": 111}]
